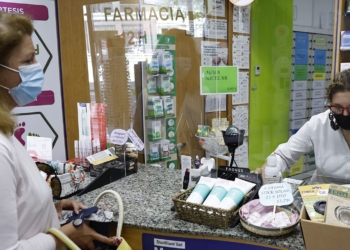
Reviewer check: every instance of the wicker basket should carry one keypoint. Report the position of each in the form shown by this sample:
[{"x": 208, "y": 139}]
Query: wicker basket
[
  {"x": 270, "y": 231},
  {"x": 204, "y": 215}
]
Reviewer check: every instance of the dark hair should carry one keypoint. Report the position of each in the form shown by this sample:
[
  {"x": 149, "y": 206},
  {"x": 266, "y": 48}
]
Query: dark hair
[
  {"x": 340, "y": 83},
  {"x": 13, "y": 28}
]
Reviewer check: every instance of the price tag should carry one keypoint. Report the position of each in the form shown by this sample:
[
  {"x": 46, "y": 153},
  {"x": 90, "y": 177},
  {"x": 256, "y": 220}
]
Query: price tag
[
  {"x": 119, "y": 136},
  {"x": 135, "y": 139},
  {"x": 276, "y": 194}
]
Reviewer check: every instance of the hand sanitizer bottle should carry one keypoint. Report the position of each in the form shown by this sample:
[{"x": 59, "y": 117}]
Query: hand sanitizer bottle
[{"x": 272, "y": 173}]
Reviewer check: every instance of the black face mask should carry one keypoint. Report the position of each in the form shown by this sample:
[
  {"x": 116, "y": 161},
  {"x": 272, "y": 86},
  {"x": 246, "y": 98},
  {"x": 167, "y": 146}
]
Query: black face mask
[{"x": 343, "y": 121}]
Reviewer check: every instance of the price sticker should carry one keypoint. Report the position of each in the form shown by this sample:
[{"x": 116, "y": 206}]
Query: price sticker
[
  {"x": 135, "y": 139},
  {"x": 119, "y": 136},
  {"x": 276, "y": 194}
]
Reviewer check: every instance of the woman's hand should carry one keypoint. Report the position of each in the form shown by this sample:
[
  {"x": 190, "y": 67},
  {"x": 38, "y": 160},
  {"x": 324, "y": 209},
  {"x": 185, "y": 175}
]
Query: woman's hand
[
  {"x": 84, "y": 236},
  {"x": 68, "y": 205}
]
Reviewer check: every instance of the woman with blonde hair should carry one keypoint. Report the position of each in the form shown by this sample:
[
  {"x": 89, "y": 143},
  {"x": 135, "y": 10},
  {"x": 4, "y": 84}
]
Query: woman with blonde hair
[{"x": 27, "y": 210}]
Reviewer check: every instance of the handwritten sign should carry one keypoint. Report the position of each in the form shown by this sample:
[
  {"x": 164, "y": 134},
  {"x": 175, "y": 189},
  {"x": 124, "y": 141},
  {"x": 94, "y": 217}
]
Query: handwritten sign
[
  {"x": 135, "y": 139},
  {"x": 278, "y": 194},
  {"x": 218, "y": 80},
  {"x": 39, "y": 147},
  {"x": 119, "y": 136}
]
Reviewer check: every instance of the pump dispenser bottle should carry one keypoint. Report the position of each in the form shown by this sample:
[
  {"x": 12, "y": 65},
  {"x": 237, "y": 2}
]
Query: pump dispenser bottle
[{"x": 272, "y": 173}]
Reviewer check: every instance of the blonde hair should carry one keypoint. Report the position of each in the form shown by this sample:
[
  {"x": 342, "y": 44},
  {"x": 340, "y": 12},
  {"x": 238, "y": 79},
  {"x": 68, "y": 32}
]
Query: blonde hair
[{"x": 13, "y": 28}]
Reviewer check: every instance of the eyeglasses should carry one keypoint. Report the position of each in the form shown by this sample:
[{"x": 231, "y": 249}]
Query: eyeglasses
[
  {"x": 339, "y": 109},
  {"x": 55, "y": 183}
]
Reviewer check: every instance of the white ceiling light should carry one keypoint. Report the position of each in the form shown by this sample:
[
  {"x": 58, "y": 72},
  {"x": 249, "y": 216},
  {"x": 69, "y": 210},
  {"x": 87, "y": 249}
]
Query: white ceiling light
[{"x": 241, "y": 2}]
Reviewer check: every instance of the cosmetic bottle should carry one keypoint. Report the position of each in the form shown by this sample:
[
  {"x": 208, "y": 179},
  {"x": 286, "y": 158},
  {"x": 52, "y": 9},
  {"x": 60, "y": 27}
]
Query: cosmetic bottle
[
  {"x": 197, "y": 162},
  {"x": 272, "y": 172}
]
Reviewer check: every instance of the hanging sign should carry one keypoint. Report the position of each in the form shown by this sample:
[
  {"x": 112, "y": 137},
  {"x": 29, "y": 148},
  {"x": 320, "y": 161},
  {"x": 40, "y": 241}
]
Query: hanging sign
[{"x": 218, "y": 80}]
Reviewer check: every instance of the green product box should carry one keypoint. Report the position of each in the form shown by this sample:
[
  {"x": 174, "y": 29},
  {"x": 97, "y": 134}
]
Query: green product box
[
  {"x": 172, "y": 164},
  {"x": 154, "y": 130},
  {"x": 154, "y": 151},
  {"x": 168, "y": 105},
  {"x": 153, "y": 64},
  {"x": 155, "y": 106},
  {"x": 151, "y": 84},
  {"x": 163, "y": 85},
  {"x": 165, "y": 62}
]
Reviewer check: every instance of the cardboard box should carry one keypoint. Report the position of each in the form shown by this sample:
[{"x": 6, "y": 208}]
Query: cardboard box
[{"x": 320, "y": 236}]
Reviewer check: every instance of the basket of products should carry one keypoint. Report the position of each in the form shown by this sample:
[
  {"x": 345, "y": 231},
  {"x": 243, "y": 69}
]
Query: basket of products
[
  {"x": 189, "y": 207},
  {"x": 259, "y": 219}
]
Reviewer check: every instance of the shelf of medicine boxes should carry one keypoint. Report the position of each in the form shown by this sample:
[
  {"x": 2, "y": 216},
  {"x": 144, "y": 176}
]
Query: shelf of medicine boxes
[
  {"x": 155, "y": 93},
  {"x": 342, "y": 20},
  {"x": 159, "y": 160}
]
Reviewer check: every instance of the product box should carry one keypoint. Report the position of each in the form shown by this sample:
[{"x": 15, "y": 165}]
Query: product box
[
  {"x": 338, "y": 205},
  {"x": 312, "y": 194},
  {"x": 345, "y": 40},
  {"x": 155, "y": 106},
  {"x": 321, "y": 236},
  {"x": 168, "y": 105},
  {"x": 344, "y": 66},
  {"x": 154, "y": 130}
]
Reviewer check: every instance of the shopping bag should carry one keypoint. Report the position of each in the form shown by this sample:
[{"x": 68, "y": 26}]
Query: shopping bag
[{"x": 99, "y": 226}]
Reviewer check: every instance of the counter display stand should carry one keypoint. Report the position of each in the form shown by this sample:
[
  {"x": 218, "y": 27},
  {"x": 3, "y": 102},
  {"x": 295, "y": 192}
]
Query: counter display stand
[{"x": 159, "y": 104}]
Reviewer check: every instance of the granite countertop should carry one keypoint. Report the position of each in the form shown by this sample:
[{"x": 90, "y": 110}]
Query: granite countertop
[{"x": 147, "y": 197}]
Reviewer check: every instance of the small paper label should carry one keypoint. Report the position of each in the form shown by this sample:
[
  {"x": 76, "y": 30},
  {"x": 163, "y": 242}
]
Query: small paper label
[
  {"x": 119, "y": 136},
  {"x": 135, "y": 139},
  {"x": 39, "y": 147},
  {"x": 278, "y": 194}
]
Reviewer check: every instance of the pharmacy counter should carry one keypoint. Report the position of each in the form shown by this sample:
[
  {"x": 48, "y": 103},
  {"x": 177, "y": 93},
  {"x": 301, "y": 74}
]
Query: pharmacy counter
[{"x": 149, "y": 222}]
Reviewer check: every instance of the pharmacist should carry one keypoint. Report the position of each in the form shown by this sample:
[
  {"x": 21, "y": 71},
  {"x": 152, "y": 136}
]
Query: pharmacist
[{"x": 327, "y": 134}]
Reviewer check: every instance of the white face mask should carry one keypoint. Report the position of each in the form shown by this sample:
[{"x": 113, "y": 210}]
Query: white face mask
[{"x": 31, "y": 86}]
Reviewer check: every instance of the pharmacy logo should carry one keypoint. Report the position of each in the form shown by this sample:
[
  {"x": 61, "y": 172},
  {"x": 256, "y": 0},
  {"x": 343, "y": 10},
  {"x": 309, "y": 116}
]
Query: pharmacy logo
[{"x": 33, "y": 124}]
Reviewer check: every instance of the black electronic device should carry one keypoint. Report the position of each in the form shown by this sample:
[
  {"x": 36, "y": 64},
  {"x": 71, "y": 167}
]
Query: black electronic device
[
  {"x": 230, "y": 173},
  {"x": 109, "y": 175},
  {"x": 233, "y": 138}
]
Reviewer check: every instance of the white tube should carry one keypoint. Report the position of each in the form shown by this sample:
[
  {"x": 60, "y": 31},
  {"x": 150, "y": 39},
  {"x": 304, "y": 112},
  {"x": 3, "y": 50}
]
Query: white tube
[
  {"x": 76, "y": 151},
  {"x": 81, "y": 151},
  {"x": 236, "y": 194},
  {"x": 202, "y": 189},
  {"x": 218, "y": 193}
]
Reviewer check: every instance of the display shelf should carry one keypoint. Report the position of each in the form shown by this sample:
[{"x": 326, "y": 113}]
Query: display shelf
[
  {"x": 154, "y": 117},
  {"x": 342, "y": 23},
  {"x": 160, "y": 160},
  {"x": 158, "y": 117},
  {"x": 159, "y": 108}
]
